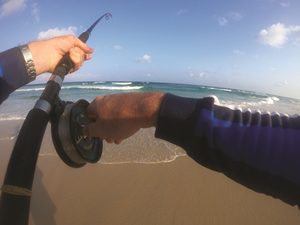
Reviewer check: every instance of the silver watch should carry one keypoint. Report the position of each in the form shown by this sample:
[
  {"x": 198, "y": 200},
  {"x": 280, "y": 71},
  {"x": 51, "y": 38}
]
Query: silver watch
[{"x": 28, "y": 62}]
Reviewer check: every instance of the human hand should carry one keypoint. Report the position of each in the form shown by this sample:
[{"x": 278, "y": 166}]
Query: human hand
[
  {"x": 119, "y": 116},
  {"x": 47, "y": 53}
]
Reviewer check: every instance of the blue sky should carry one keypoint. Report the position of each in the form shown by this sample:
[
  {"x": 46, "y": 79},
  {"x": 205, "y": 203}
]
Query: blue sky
[{"x": 252, "y": 45}]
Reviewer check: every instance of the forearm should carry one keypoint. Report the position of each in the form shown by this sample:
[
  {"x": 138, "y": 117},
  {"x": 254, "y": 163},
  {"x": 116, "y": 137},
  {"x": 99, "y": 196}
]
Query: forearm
[{"x": 257, "y": 150}]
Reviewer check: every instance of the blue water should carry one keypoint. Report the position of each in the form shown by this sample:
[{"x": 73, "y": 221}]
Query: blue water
[
  {"x": 142, "y": 147},
  {"x": 23, "y": 99}
]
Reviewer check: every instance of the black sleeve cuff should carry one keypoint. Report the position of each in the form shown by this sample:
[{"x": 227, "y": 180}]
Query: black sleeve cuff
[
  {"x": 13, "y": 68},
  {"x": 5, "y": 90},
  {"x": 177, "y": 123},
  {"x": 176, "y": 119}
]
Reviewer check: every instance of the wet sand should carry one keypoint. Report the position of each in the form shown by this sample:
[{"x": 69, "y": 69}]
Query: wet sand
[{"x": 177, "y": 192}]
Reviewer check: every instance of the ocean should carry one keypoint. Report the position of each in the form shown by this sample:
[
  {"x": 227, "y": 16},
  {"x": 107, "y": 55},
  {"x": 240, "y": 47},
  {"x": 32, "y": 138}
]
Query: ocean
[
  {"x": 23, "y": 99},
  {"x": 142, "y": 147}
]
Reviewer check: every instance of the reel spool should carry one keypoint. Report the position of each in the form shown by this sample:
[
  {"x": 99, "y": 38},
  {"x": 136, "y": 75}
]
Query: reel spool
[{"x": 73, "y": 148}]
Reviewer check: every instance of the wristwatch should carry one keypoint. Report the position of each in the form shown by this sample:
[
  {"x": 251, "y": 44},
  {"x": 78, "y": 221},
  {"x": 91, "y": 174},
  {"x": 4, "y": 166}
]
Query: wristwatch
[{"x": 29, "y": 64}]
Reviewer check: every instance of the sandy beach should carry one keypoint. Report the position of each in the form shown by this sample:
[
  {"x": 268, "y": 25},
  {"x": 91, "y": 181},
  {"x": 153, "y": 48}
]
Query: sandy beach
[{"x": 176, "y": 192}]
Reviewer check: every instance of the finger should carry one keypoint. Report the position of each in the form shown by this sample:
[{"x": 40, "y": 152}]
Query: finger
[
  {"x": 93, "y": 130},
  {"x": 88, "y": 56},
  {"x": 77, "y": 56},
  {"x": 92, "y": 111},
  {"x": 118, "y": 141},
  {"x": 79, "y": 53},
  {"x": 82, "y": 46},
  {"x": 110, "y": 141}
]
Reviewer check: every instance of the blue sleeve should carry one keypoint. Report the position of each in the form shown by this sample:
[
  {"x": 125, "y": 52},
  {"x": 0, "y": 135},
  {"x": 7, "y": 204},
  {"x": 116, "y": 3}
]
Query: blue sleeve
[
  {"x": 13, "y": 72},
  {"x": 260, "y": 151}
]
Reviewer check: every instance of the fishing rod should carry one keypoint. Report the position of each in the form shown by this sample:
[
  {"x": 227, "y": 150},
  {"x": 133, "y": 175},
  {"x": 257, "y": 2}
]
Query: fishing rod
[{"x": 67, "y": 120}]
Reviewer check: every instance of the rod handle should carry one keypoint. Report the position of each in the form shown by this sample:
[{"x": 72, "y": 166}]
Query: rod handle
[{"x": 16, "y": 190}]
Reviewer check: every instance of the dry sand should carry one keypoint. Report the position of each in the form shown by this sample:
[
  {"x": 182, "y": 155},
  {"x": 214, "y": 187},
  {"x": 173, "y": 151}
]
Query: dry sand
[{"x": 178, "y": 192}]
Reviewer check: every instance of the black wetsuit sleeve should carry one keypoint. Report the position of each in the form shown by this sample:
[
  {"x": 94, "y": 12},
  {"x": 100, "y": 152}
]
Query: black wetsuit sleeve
[
  {"x": 258, "y": 150},
  {"x": 13, "y": 72}
]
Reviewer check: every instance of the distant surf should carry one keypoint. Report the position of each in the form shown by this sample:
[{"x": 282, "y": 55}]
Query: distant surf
[
  {"x": 122, "y": 83},
  {"x": 102, "y": 87},
  {"x": 140, "y": 148},
  {"x": 23, "y": 99}
]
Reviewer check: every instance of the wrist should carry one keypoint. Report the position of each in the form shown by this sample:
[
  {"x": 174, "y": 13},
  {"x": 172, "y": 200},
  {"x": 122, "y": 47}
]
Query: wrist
[
  {"x": 36, "y": 53},
  {"x": 151, "y": 105},
  {"x": 29, "y": 63}
]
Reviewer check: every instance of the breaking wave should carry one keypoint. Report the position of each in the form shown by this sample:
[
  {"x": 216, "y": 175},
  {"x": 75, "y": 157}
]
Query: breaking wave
[
  {"x": 122, "y": 83},
  {"x": 103, "y": 87}
]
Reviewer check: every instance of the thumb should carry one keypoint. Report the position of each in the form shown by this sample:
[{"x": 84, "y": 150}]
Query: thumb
[
  {"x": 93, "y": 130},
  {"x": 92, "y": 111}
]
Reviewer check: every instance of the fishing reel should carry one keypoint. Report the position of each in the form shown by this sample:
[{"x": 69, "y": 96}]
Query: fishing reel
[
  {"x": 68, "y": 118},
  {"x": 73, "y": 147}
]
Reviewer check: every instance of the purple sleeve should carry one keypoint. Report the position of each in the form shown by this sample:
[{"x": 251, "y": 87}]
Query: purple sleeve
[
  {"x": 261, "y": 151},
  {"x": 13, "y": 72}
]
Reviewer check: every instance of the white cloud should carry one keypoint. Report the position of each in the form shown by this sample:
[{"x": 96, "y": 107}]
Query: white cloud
[
  {"x": 198, "y": 75},
  {"x": 181, "y": 12},
  {"x": 281, "y": 83},
  {"x": 195, "y": 74},
  {"x": 35, "y": 11},
  {"x": 236, "y": 16},
  {"x": 118, "y": 47},
  {"x": 144, "y": 59},
  {"x": 230, "y": 17},
  {"x": 293, "y": 29},
  {"x": 222, "y": 21},
  {"x": 53, "y": 32},
  {"x": 277, "y": 34},
  {"x": 285, "y": 4},
  {"x": 9, "y": 7},
  {"x": 297, "y": 41}
]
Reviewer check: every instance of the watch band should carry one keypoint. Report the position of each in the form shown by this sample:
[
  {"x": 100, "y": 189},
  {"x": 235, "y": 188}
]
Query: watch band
[{"x": 28, "y": 62}]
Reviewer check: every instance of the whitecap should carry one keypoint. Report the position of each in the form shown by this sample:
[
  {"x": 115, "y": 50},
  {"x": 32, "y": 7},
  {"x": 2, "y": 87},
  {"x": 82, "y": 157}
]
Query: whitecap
[
  {"x": 122, "y": 83},
  {"x": 102, "y": 87},
  {"x": 30, "y": 89},
  {"x": 275, "y": 99},
  {"x": 219, "y": 89},
  {"x": 9, "y": 118},
  {"x": 9, "y": 138}
]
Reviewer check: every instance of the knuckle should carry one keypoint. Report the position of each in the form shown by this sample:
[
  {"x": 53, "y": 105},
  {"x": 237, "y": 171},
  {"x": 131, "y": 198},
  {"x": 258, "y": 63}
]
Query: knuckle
[
  {"x": 98, "y": 98},
  {"x": 71, "y": 38}
]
